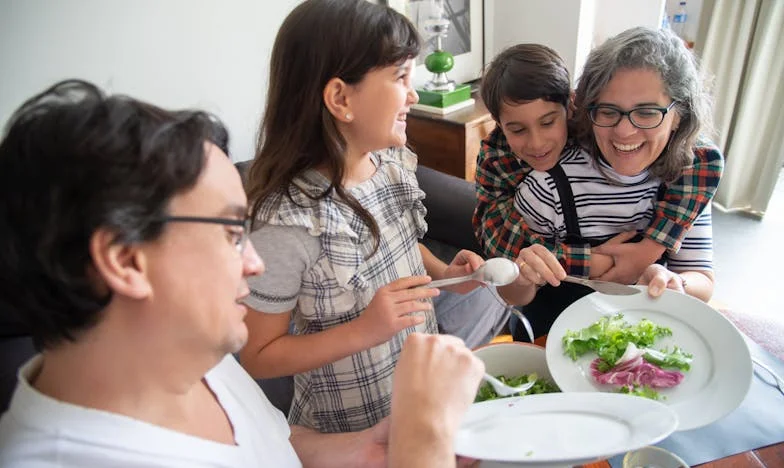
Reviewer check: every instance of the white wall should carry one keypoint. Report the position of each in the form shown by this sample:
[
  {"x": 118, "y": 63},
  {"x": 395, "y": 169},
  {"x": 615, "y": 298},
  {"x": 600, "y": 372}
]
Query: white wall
[
  {"x": 208, "y": 54},
  {"x": 693, "y": 10},
  {"x": 571, "y": 27},
  {"x": 615, "y": 16},
  {"x": 555, "y": 23}
]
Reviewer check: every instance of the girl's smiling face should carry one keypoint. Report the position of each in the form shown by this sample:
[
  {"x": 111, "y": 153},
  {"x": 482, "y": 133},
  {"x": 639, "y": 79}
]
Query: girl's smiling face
[{"x": 380, "y": 103}]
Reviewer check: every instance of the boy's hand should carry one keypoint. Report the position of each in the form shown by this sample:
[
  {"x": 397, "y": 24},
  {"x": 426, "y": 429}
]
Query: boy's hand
[
  {"x": 601, "y": 263},
  {"x": 630, "y": 259}
]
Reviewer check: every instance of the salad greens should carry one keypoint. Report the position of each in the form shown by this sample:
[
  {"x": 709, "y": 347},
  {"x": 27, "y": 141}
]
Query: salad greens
[
  {"x": 641, "y": 390},
  {"x": 614, "y": 340},
  {"x": 542, "y": 385},
  {"x": 609, "y": 336},
  {"x": 675, "y": 359}
]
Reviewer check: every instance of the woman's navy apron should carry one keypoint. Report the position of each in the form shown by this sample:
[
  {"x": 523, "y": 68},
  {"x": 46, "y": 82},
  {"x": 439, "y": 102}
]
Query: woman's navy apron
[{"x": 551, "y": 301}]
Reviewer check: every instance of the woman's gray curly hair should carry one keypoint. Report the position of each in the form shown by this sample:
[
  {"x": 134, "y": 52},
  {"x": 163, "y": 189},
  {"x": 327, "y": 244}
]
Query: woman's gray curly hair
[{"x": 665, "y": 53}]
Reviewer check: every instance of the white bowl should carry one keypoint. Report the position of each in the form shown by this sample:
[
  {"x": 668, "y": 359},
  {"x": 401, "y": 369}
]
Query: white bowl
[
  {"x": 513, "y": 359},
  {"x": 652, "y": 456}
]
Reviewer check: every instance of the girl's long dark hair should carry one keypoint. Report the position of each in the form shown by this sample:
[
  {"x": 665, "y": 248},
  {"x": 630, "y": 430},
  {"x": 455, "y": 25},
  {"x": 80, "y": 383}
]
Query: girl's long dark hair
[{"x": 318, "y": 41}]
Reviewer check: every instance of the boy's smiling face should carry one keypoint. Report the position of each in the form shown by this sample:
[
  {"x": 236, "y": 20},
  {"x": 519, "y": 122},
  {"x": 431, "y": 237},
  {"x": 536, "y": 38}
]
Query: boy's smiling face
[{"x": 536, "y": 131}]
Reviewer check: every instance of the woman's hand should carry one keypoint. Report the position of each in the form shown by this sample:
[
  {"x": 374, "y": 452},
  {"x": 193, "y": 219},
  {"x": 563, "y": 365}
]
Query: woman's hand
[
  {"x": 658, "y": 278},
  {"x": 464, "y": 263},
  {"x": 539, "y": 266},
  {"x": 393, "y": 308}
]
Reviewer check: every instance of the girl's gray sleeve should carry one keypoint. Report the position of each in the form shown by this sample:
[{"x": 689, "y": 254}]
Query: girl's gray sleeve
[{"x": 288, "y": 252}]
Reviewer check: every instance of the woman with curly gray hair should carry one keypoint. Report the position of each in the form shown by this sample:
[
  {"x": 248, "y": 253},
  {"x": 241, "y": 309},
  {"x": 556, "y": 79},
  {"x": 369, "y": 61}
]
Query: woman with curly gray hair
[
  {"x": 643, "y": 113},
  {"x": 659, "y": 61}
]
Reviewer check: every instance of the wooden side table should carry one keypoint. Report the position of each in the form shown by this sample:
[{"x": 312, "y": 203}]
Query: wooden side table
[{"x": 450, "y": 143}]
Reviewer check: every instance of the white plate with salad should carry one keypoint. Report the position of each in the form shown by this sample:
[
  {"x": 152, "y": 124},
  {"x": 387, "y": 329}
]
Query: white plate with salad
[
  {"x": 561, "y": 429},
  {"x": 683, "y": 353}
]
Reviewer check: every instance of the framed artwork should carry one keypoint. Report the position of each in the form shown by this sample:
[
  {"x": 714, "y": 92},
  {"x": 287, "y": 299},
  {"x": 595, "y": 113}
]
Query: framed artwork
[{"x": 463, "y": 40}]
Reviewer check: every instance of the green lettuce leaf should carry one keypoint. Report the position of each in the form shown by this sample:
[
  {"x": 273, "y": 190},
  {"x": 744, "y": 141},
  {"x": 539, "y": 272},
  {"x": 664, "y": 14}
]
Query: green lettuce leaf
[{"x": 609, "y": 336}]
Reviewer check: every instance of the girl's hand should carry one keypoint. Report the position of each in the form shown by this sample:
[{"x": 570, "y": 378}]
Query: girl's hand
[
  {"x": 464, "y": 263},
  {"x": 539, "y": 266},
  {"x": 393, "y": 308},
  {"x": 658, "y": 277}
]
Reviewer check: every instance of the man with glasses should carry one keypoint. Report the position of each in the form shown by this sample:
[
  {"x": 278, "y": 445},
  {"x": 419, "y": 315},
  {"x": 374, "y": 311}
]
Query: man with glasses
[{"x": 125, "y": 254}]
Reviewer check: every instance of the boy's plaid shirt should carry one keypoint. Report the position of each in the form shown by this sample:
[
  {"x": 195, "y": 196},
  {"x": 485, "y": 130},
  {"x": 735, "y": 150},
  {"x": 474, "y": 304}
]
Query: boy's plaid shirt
[{"x": 501, "y": 231}]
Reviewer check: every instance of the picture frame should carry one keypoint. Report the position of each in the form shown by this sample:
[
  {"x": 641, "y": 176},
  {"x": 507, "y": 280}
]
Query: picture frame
[{"x": 464, "y": 39}]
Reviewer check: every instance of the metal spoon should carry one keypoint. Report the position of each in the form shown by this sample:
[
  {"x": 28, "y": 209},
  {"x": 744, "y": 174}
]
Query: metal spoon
[
  {"x": 779, "y": 380},
  {"x": 494, "y": 272},
  {"x": 503, "y": 389},
  {"x": 604, "y": 287}
]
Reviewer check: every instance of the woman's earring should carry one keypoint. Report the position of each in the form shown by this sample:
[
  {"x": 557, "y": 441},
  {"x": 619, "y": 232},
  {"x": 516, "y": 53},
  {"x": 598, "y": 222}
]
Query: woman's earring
[{"x": 349, "y": 116}]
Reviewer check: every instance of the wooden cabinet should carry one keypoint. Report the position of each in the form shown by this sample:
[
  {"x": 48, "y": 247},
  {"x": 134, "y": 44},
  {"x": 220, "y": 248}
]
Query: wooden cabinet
[{"x": 450, "y": 143}]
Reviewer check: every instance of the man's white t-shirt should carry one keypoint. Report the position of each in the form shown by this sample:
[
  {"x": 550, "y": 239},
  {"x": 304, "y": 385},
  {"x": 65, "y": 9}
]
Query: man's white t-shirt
[{"x": 39, "y": 431}]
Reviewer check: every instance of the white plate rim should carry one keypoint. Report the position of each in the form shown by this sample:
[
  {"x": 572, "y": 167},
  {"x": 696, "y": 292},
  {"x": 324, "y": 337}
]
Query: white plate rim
[
  {"x": 623, "y": 406},
  {"x": 726, "y": 345}
]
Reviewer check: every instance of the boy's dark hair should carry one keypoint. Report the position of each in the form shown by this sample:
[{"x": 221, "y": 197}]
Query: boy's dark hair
[
  {"x": 73, "y": 160},
  {"x": 523, "y": 73}
]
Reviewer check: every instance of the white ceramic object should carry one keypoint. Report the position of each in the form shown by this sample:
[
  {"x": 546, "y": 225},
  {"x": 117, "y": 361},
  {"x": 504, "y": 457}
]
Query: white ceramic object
[
  {"x": 653, "y": 456},
  {"x": 558, "y": 429},
  {"x": 513, "y": 359},
  {"x": 721, "y": 369}
]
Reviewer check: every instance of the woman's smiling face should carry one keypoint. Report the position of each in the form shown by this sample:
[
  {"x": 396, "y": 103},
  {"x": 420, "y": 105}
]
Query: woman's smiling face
[{"x": 628, "y": 149}]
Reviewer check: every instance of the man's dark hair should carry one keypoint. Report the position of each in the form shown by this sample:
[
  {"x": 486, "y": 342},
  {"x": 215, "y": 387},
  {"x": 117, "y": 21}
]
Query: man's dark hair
[
  {"x": 73, "y": 160},
  {"x": 524, "y": 73}
]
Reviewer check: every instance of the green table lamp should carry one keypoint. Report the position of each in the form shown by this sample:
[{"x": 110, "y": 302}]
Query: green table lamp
[{"x": 440, "y": 95}]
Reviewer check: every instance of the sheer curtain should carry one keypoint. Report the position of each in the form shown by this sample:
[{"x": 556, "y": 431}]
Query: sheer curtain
[{"x": 743, "y": 48}]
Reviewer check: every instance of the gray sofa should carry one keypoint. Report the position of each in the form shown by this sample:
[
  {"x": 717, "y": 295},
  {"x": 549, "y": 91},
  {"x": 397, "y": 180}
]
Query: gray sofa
[{"x": 450, "y": 203}]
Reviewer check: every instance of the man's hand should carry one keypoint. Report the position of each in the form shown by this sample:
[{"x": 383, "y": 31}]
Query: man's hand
[
  {"x": 435, "y": 381},
  {"x": 630, "y": 259}
]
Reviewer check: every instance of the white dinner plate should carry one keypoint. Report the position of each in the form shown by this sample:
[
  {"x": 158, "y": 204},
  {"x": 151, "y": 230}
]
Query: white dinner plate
[
  {"x": 562, "y": 428},
  {"x": 721, "y": 369}
]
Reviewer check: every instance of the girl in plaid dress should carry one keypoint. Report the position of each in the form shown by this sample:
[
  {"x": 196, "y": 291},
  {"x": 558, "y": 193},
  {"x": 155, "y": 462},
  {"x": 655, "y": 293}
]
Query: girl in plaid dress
[{"x": 338, "y": 211}]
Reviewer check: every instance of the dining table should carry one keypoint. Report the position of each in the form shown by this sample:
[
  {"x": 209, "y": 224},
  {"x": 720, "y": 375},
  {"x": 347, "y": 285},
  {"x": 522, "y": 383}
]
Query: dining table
[
  {"x": 767, "y": 456},
  {"x": 771, "y": 456}
]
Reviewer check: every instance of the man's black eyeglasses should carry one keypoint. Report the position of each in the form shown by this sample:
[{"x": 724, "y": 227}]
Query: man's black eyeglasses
[
  {"x": 643, "y": 117},
  {"x": 240, "y": 240}
]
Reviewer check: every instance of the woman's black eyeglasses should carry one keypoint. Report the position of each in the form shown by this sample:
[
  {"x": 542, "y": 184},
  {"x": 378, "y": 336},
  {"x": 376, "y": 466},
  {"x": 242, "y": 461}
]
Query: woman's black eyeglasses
[{"x": 643, "y": 117}]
